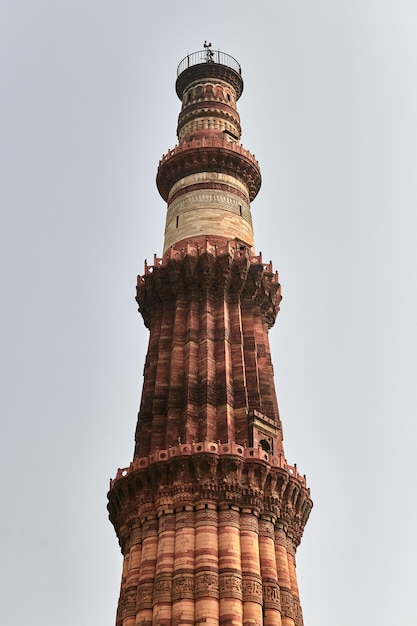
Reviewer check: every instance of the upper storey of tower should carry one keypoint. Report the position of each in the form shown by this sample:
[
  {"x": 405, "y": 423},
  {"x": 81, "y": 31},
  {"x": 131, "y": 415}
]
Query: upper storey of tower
[
  {"x": 209, "y": 84},
  {"x": 209, "y": 179}
]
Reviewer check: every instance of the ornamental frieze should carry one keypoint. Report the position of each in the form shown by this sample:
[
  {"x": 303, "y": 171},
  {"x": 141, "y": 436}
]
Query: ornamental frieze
[
  {"x": 144, "y": 595},
  {"x": 272, "y": 596},
  {"x": 249, "y": 522},
  {"x": 298, "y": 614},
  {"x": 183, "y": 587},
  {"x": 266, "y": 528},
  {"x": 162, "y": 590},
  {"x": 230, "y": 586},
  {"x": 206, "y": 584},
  {"x": 287, "y": 603},
  {"x": 252, "y": 590}
]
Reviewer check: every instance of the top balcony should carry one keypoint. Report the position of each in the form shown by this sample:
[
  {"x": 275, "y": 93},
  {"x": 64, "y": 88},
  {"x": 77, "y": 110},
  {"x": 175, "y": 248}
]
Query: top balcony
[
  {"x": 208, "y": 64},
  {"x": 209, "y": 56}
]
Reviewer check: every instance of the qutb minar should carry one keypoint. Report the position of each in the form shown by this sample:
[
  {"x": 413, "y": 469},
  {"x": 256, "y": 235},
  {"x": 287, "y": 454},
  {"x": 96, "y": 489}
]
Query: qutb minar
[{"x": 209, "y": 514}]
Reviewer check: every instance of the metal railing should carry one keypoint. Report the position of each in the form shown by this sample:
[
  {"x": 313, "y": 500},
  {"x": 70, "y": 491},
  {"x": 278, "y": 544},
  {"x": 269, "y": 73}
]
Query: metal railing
[{"x": 208, "y": 56}]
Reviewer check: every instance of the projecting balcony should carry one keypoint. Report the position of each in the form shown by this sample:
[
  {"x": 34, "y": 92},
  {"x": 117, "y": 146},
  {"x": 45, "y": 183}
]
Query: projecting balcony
[
  {"x": 206, "y": 64},
  {"x": 209, "y": 56}
]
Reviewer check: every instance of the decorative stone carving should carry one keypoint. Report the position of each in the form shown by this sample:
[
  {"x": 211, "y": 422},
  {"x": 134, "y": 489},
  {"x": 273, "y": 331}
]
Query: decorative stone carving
[
  {"x": 183, "y": 586},
  {"x": 129, "y": 605},
  {"x": 162, "y": 590},
  {"x": 144, "y": 595},
  {"x": 266, "y": 528},
  {"x": 230, "y": 586},
  {"x": 251, "y": 589},
  {"x": 287, "y": 603},
  {"x": 206, "y": 584},
  {"x": 249, "y": 522},
  {"x": 272, "y": 596}
]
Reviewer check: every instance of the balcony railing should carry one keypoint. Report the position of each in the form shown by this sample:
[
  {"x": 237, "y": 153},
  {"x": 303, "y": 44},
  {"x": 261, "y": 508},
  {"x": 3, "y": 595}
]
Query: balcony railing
[{"x": 209, "y": 56}]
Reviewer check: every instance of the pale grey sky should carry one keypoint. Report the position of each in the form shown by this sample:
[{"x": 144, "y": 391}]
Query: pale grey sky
[{"x": 87, "y": 109}]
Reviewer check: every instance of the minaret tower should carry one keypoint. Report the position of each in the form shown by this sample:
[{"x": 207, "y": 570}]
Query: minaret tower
[{"x": 209, "y": 514}]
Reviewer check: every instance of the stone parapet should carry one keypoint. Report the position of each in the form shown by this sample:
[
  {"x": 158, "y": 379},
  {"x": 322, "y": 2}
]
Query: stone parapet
[
  {"x": 217, "y": 449},
  {"x": 208, "y": 154}
]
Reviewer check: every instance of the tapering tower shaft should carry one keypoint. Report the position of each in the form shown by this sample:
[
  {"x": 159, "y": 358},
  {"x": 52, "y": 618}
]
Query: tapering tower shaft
[{"x": 209, "y": 514}]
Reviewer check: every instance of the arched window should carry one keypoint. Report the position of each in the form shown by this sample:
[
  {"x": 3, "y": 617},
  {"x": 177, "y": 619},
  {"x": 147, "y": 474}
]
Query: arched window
[{"x": 265, "y": 445}]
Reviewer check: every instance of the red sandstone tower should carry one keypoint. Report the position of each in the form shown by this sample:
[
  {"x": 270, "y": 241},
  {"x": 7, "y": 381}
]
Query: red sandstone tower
[{"x": 209, "y": 514}]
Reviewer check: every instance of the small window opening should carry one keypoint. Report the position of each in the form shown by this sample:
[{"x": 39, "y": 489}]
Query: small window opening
[
  {"x": 240, "y": 210},
  {"x": 265, "y": 445},
  {"x": 177, "y": 221}
]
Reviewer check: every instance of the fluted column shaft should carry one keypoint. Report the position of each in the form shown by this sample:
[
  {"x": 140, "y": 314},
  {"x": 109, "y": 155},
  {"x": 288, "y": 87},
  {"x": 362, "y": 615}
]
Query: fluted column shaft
[
  {"x": 122, "y": 596},
  {"x": 298, "y": 616},
  {"x": 147, "y": 570},
  {"x": 224, "y": 373},
  {"x": 162, "y": 593},
  {"x": 251, "y": 571},
  {"x": 206, "y": 591},
  {"x": 284, "y": 581},
  {"x": 183, "y": 573},
  {"x": 133, "y": 563},
  {"x": 230, "y": 568},
  {"x": 271, "y": 595},
  {"x": 207, "y": 369},
  {"x": 191, "y": 368},
  {"x": 175, "y": 422}
]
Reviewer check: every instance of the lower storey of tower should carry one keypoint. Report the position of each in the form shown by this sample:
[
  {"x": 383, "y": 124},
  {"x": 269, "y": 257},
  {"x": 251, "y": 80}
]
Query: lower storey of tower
[{"x": 209, "y": 538}]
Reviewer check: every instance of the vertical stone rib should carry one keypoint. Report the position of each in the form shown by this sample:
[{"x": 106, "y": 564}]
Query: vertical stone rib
[
  {"x": 251, "y": 572},
  {"x": 298, "y": 617},
  {"x": 224, "y": 374},
  {"x": 175, "y": 420},
  {"x": 271, "y": 595},
  {"x": 119, "y": 615},
  {"x": 239, "y": 375},
  {"x": 287, "y": 603},
  {"x": 230, "y": 569},
  {"x": 133, "y": 563},
  {"x": 249, "y": 348},
  {"x": 147, "y": 569},
  {"x": 206, "y": 591},
  {"x": 207, "y": 369},
  {"x": 269, "y": 404},
  {"x": 162, "y": 590},
  {"x": 144, "y": 427},
  {"x": 183, "y": 573},
  {"x": 191, "y": 369},
  {"x": 160, "y": 401}
]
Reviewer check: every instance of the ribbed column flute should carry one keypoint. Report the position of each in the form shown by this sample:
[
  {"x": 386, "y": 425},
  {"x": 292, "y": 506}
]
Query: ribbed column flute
[
  {"x": 133, "y": 562},
  {"x": 183, "y": 572},
  {"x": 224, "y": 376},
  {"x": 175, "y": 424},
  {"x": 271, "y": 595},
  {"x": 147, "y": 569},
  {"x": 251, "y": 571},
  {"x": 125, "y": 567},
  {"x": 294, "y": 584},
  {"x": 191, "y": 368},
  {"x": 206, "y": 590},
  {"x": 230, "y": 568},
  {"x": 162, "y": 592},
  {"x": 159, "y": 408},
  {"x": 207, "y": 368},
  {"x": 284, "y": 581}
]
